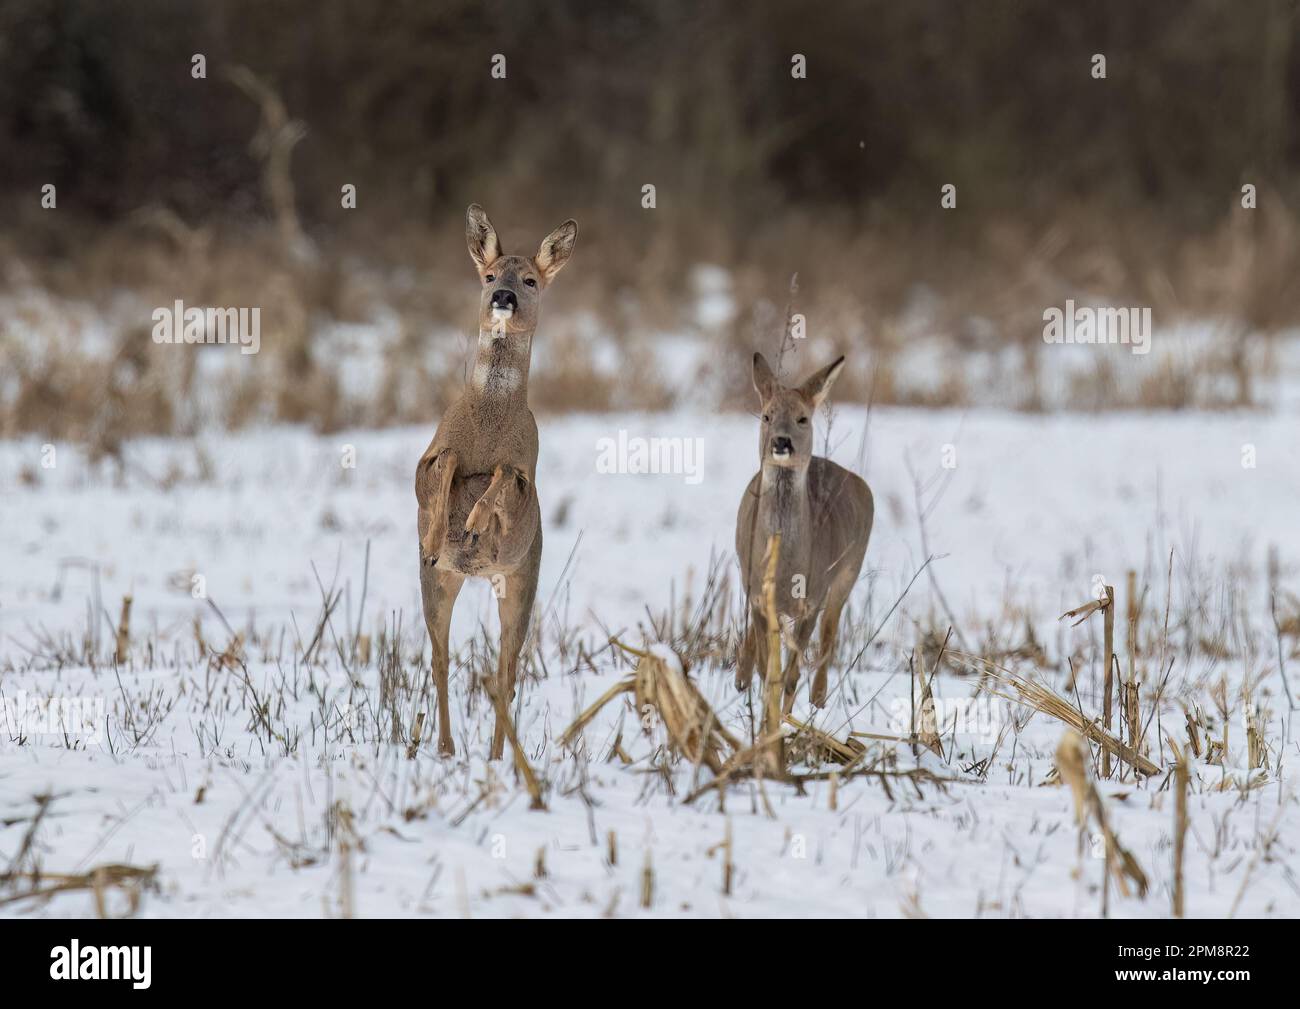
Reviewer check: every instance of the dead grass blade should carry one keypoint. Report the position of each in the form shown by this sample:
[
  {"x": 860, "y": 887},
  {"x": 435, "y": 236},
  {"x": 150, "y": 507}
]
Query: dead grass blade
[
  {"x": 583, "y": 720},
  {"x": 1043, "y": 698},
  {"x": 1182, "y": 775},
  {"x": 926, "y": 731},
  {"x": 524, "y": 768},
  {"x": 130, "y": 879}
]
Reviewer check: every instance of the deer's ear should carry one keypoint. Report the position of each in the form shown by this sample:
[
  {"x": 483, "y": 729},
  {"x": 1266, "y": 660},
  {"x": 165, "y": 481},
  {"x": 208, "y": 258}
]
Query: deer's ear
[
  {"x": 764, "y": 379},
  {"x": 556, "y": 248},
  {"x": 484, "y": 246},
  {"x": 818, "y": 385}
]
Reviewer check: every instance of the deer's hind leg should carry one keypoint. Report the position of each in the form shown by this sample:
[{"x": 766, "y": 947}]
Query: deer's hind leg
[
  {"x": 438, "y": 590},
  {"x": 518, "y": 591}
]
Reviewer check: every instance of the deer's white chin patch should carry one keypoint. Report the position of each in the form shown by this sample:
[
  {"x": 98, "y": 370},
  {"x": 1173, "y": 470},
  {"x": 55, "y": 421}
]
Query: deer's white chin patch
[
  {"x": 782, "y": 456},
  {"x": 503, "y": 313}
]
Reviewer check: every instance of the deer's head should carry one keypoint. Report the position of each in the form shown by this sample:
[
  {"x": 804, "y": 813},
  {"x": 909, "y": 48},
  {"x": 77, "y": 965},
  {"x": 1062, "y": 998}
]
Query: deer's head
[
  {"x": 786, "y": 432},
  {"x": 512, "y": 285}
]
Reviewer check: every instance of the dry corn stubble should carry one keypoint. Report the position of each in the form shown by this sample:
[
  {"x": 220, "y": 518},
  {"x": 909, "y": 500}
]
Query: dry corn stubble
[
  {"x": 1072, "y": 760},
  {"x": 693, "y": 727}
]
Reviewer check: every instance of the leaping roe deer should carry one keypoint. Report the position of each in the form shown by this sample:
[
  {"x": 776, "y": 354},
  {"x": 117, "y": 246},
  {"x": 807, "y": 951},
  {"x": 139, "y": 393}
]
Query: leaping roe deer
[
  {"x": 823, "y": 514},
  {"x": 479, "y": 514}
]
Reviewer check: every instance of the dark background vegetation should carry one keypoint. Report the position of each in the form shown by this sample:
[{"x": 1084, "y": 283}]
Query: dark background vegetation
[
  {"x": 1126, "y": 188},
  {"x": 996, "y": 96}
]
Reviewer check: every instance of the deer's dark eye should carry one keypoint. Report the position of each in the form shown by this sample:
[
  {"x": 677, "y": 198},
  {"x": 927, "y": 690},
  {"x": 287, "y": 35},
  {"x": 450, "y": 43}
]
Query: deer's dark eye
[
  {"x": 529, "y": 282},
  {"x": 490, "y": 277},
  {"x": 803, "y": 420}
]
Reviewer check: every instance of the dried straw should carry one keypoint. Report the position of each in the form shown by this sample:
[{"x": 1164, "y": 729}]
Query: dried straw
[
  {"x": 1072, "y": 761},
  {"x": 1049, "y": 702},
  {"x": 693, "y": 727}
]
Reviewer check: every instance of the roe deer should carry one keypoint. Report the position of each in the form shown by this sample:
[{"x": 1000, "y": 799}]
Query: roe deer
[
  {"x": 823, "y": 513},
  {"x": 478, "y": 510}
]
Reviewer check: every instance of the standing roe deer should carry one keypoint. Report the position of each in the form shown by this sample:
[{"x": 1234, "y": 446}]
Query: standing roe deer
[
  {"x": 478, "y": 510},
  {"x": 823, "y": 513}
]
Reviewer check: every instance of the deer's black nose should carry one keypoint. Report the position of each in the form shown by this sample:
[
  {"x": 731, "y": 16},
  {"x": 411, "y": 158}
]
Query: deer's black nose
[
  {"x": 782, "y": 445},
  {"x": 505, "y": 299}
]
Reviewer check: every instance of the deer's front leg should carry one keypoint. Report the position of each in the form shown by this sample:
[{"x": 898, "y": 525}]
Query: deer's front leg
[
  {"x": 433, "y": 491},
  {"x": 507, "y": 487},
  {"x": 752, "y": 651},
  {"x": 826, "y": 648},
  {"x": 797, "y": 643}
]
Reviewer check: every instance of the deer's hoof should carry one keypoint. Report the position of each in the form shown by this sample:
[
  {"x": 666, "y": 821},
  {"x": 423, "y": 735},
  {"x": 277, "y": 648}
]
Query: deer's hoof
[
  {"x": 446, "y": 748},
  {"x": 479, "y": 517}
]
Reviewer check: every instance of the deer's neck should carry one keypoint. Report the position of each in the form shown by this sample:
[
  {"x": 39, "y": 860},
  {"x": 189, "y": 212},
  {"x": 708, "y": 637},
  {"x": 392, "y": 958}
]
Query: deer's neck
[
  {"x": 501, "y": 366},
  {"x": 783, "y": 502}
]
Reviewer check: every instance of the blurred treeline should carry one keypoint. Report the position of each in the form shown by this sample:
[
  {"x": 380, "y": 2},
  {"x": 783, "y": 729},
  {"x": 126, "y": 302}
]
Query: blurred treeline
[
  {"x": 96, "y": 96},
  {"x": 1127, "y": 187},
  {"x": 995, "y": 96}
]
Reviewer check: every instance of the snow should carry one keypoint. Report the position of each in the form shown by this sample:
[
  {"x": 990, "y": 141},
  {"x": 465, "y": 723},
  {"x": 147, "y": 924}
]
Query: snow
[{"x": 235, "y": 806}]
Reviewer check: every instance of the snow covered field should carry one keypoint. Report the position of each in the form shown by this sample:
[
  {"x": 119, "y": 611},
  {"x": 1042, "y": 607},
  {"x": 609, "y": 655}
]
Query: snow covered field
[{"x": 263, "y": 779}]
